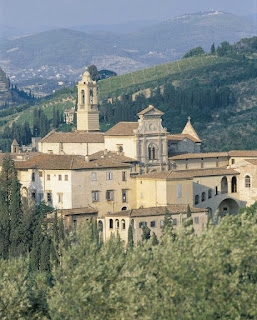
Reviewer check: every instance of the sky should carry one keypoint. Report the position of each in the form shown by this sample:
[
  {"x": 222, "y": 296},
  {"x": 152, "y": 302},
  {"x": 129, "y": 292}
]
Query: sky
[{"x": 65, "y": 13}]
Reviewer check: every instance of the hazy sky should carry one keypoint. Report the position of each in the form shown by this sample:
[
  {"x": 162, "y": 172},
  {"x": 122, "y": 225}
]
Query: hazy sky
[{"x": 80, "y": 12}]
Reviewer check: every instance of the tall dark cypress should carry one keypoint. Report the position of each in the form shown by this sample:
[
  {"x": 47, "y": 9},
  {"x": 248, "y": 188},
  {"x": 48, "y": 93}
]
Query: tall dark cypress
[
  {"x": 45, "y": 255},
  {"x": 130, "y": 238}
]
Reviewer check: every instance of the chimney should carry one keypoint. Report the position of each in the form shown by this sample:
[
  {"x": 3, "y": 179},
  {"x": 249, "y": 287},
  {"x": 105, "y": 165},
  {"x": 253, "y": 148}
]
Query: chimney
[{"x": 105, "y": 152}]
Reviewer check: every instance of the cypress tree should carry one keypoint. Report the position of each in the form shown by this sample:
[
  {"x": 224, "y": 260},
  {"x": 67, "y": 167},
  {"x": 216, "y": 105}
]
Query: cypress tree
[
  {"x": 146, "y": 235},
  {"x": 188, "y": 224},
  {"x": 36, "y": 247},
  {"x": 154, "y": 240},
  {"x": 45, "y": 256},
  {"x": 130, "y": 238},
  {"x": 16, "y": 218},
  {"x": 213, "y": 50}
]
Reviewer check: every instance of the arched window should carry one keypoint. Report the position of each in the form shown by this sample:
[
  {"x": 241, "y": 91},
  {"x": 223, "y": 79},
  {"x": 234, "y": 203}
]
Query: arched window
[
  {"x": 224, "y": 185},
  {"x": 196, "y": 199},
  {"x": 123, "y": 224},
  {"x": 91, "y": 96},
  {"x": 203, "y": 196},
  {"x": 247, "y": 181},
  {"x": 152, "y": 152},
  {"x": 209, "y": 193},
  {"x": 124, "y": 208},
  {"x": 234, "y": 185},
  {"x": 111, "y": 224},
  {"x": 82, "y": 96},
  {"x": 100, "y": 225},
  {"x": 117, "y": 224}
]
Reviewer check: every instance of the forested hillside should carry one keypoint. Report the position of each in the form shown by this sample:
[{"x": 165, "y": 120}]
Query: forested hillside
[{"x": 218, "y": 91}]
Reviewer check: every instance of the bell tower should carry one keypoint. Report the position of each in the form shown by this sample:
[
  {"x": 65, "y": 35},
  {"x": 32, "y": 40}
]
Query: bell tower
[{"x": 87, "y": 111}]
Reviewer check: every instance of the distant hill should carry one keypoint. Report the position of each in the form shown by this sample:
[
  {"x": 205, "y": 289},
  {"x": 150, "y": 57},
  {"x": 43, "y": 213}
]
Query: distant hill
[{"x": 62, "y": 54}]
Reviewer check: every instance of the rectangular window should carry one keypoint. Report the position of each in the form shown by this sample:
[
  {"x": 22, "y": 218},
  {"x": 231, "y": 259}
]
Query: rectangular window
[
  {"x": 196, "y": 220},
  {"x": 49, "y": 197},
  {"x": 175, "y": 222},
  {"x": 48, "y": 177},
  {"x": 50, "y": 151},
  {"x": 152, "y": 224},
  {"x": 124, "y": 196},
  {"x": 142, "y": 223},
  {"x": 161, "y": 223},
  {"x": 216, "y": 191},
  {"x": 40, "y": 174},
  {"x": 60, "y": 177},
  {"x": 233, "y": 161},
  {"x": 40, "y": 197},
  {"x": 66, "y": 177},
  {"x": 109, "y": 195},
  {"x": 109, "y": 176},
  {"x": 61, "y": 145},
  {"x": 33, "y": 195},
  {"x": 95, "y": 196},
  {"x": 183, "y": 220},
  {"x": 179, "y": 190},
  {"x": 124, "y": 176},
  {"x": 60, "y": 197},
  {"x": 33, "y": 177},
  {"x": 93, "y": 176}
]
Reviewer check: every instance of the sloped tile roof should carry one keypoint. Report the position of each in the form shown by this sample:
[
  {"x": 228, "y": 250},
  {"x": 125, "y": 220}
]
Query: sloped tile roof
[
  {"x": 181, "y": 137},
  {"x": 122, "y": 129},
  {"x": 73, "y": 137},
  {"x": 150, "y": 108},
  {"x": 187, "y": 174},
  {"x": 67, "y": 162},
  {"x": 243, "y": 153},
  {"x": 114, "y": 156},
  {"x": 199, "y": 155},
  {"x": 157, "y": 211}
]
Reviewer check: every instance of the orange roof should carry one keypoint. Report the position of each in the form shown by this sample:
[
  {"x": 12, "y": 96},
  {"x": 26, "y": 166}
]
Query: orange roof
[
  {"x": 114, "y": 156},
  {"x": 190, "y": 130},
  {"x": 122, "y": 129},
  {"x": 199, "y": 155}
]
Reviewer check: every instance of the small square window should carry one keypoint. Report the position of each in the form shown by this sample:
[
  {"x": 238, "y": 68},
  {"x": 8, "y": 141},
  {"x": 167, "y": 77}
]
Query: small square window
[
  {"x": 161, "y": 223},
  {"x": 142, "y": 223},
  {"x": 95, "y": 196},
  {"x": 124, "y": 196},
  {"x": 33, "y": 176},
  {"x": 60, "y": 177},
  {"x": 60, "y": 197},
  {"x": 175, "y": 222},
  {"x": 93, "y": 176},
  {"x": 152, "y": 224},
  {"x": 33, "y": 195},
  {"x": 48, "y": 177},
  {"x": 109, "y": 195},
  {"x": 66, "y": 177},
  {"x": 40, "y": 174}
]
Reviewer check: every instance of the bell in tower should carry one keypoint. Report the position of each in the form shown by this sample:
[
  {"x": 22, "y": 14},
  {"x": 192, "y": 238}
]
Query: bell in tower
[{"x": 87, "y": 110}]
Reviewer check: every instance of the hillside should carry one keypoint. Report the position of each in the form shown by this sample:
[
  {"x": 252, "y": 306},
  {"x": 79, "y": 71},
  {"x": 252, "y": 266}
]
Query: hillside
[
  {"x": 62, "y": 54},
  {"x": 219, "y": 93}
]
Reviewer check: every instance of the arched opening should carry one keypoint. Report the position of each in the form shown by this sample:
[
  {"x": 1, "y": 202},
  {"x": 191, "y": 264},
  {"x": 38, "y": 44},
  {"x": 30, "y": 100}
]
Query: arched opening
[
  {"x": 228, "y": 206},
  {"x": 196, "y": 199},
  {"x": 224, "y": 185},
  {"x": 248, "y": 181},
  {"x": 83, "y": 96},
  {"x": 111, "y": 224},
  {"x": 123, "y": 224},
  {"x": 152, "y": 152},
  {"x": 234, "y": 185},
  {"x": 124, "y": 208},
  {"x": 203, "y": 196},
  {"x": 100, "y": 225},
  {"x": 209, "y": 193},
  {"x": 117, "y": 224}
]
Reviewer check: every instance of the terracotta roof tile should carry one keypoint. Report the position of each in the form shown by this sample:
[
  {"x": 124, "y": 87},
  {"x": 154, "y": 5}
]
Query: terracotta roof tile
[
  {"x": 243, "y": 153},
  {"x": 199, "y": 155},
  {"x": 181, "y": 137},
  {"x": 73, "y": 137},
  {"x": 67, "y": 162},
  {"x": 252, "y": 161},
  {"x": 149, "y": 109},
  {"x": 187, "y": 174},
  {"x": 114, "y": 156},
  {"x": 122, "y": 129},
  {"x": 157, "y": 211}
]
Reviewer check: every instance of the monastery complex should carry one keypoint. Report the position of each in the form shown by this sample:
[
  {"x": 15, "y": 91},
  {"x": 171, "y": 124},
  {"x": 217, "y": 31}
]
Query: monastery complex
[{"x": 133, "y": 173}]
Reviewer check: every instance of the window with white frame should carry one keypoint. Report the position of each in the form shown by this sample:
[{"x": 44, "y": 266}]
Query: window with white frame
[
  {"x": 247, "y": 181},
  {"x": 109, "y": 195},
  {"x": 109, "y": 176},
  {"x": 124, "y": 196},
  {"x": 95, "y": 196},
  {"x": 93, "y": 176}
]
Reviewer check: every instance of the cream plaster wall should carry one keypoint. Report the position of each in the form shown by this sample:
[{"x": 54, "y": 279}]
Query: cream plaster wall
[
  {"x": 71, "y": 148},
  {"x": 127, "y": 142}
]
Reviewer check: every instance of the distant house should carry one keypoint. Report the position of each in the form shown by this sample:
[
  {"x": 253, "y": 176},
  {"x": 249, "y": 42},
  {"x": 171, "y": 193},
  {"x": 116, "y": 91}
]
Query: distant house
[{"x": 69, "y": 115}]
